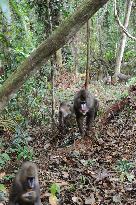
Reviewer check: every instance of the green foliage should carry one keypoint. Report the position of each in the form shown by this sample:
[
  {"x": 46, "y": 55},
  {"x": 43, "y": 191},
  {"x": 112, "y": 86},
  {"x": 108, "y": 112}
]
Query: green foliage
[
  {"x": 124, "y": 94},
  {"x": 69, "y": 7},
  {"x": 29, "y": 106},
  {"x": 2, "y": 187},
  {"x": 20, "y": 146},
  {"x": 83, "y": 179},
  {"x": 129, "y": 54},
  {"x": 4, "y": 158},
  {"x": 55, "y": 189},
  {"x": 2, "y": 191},
  {"x": 88, "y": 162},
  {"x": 72, "y": 188},
  {"x": 119, "y": 94},
  {"x": 64, "y": 96},
  {"x": 132, "y": 81},
  {"x": 24, "y": 153},
  {"x": 109, "y": 55},
  {"x": 7, "y": 124},
  {"x": 124, "y": 167},
  {"x": 8, "y": 177}
]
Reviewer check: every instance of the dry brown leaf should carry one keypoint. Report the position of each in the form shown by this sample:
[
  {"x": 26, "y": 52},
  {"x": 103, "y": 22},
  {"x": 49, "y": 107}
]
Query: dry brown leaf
[
  {"x": 117, "y": 198},
  {"x": 65, "y": 175},
  {"x": 90, "y": 200},
  {"x": 2, "y": 174},
  {"x": 110, "y": 133},
  {"x": 75, "y": 199},
  {"x": 53, "y": 200}
]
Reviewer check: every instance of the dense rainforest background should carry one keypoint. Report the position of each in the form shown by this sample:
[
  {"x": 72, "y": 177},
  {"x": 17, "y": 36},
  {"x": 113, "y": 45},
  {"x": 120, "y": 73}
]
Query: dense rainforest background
[{"x": 49, "y": 50}]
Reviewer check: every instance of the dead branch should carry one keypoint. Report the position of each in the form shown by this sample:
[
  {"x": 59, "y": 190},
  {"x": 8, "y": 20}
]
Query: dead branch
[
  {"x": 118, "y": 106},
  {"x": 114, "y": 110},
  {"x": 120, "y": 24}
]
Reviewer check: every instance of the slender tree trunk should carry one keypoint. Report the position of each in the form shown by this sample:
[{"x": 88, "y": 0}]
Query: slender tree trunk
[
  {"x": 53, "y": 66},
  {"x": 74, "y": 48},
  {"x": 123, "y": 39},
  {"x": 59, "y": 59},
  {"x": 61, "y": 36},
  {"x": 88, "y": 55}
]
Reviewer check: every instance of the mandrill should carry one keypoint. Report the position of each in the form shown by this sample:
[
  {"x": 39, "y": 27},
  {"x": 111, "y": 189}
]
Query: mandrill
[
  {"x": 85, "y": 106},
  {"x": 25, "y": 189},
  {"x": 65, "y": 110}
]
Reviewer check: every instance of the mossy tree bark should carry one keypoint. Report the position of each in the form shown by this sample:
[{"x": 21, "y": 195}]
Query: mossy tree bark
[{"x": 59, "y": 37}]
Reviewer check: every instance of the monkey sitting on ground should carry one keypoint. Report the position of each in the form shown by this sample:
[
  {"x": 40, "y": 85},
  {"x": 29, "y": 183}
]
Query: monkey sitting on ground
[
  {"x": 85, "y": 105},
  {"x": 25, "y": 189},
  {"x": 65, "y": 110},
  {"x": 107, "y": 80},
  {"x": 122, "y": 77}
]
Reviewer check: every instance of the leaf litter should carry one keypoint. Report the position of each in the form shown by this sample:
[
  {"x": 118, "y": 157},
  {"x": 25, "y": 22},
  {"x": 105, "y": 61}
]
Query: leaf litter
[{"x": 92, "y": 170}]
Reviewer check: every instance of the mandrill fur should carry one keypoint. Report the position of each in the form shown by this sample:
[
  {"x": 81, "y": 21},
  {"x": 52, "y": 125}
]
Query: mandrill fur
[{"x": 25, "y": 189}]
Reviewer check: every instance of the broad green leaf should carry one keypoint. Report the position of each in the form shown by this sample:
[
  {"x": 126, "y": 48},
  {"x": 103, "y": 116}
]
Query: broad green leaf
[
  {"x": 55, "y": 188},
  {"x": 2, "y": 187}
]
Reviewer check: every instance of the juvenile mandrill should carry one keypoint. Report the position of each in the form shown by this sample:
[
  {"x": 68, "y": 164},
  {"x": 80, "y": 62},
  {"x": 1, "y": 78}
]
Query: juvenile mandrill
[
  {"x": 85, "y": 105},
  {"x": 25, "y": 189},
  {"x": 65, "y": 109}
]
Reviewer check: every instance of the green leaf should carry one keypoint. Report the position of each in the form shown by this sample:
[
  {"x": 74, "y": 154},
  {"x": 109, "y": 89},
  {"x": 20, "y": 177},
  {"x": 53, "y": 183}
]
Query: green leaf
[
  {"x": 2, "y": 187},
  {"x": 130, "y": 177},
  {"x": 55, "y": 188},
  {"x": 20, "y": 156},
  {"x": 5, "y": 156}
]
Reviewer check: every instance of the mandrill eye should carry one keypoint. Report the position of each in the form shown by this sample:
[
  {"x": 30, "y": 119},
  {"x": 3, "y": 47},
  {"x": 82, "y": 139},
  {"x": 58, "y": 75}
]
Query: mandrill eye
[{"x": 31, "y": 182}]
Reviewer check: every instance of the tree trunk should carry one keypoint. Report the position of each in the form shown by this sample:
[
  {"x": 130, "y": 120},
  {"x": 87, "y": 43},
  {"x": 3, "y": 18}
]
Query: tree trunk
[
  {"x": 123, "y": 39},
  {"x": 63, "y": 33},
  {"x": 53, "y": 68},
  {"x": 74, "y": 49},
  {"x": 88, "y": 55}
]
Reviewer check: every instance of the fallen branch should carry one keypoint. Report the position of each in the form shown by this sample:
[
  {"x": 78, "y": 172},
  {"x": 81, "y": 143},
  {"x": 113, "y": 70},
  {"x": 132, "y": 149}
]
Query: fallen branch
[
  {"x": 114, "y": 110},
  {"x": 118, "y": 106}
]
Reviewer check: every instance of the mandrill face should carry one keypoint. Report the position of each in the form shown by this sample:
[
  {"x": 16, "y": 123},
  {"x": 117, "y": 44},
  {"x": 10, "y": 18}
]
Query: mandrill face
[{"x": 83, "y": 108}]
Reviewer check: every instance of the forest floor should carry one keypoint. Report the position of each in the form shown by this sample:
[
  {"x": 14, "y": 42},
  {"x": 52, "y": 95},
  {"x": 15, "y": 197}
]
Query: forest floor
[{"x": 97, "y": 170}]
